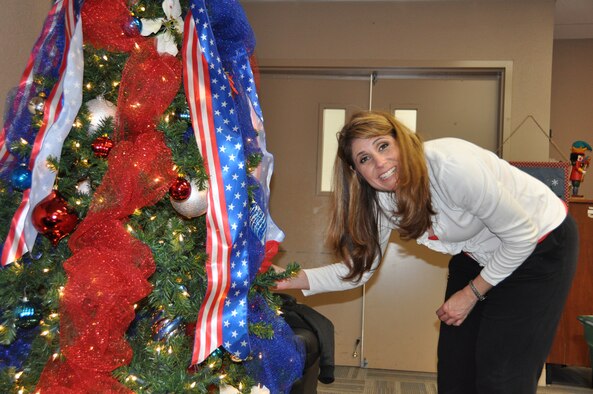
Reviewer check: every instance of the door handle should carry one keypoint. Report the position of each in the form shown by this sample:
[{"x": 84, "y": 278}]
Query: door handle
[{"x": 356, "y": 344}]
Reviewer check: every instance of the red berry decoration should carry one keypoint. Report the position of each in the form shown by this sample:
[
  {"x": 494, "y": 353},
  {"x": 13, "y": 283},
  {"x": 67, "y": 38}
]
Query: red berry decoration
[
  {"x": 53, "y": 218},
  {"x": 101, "y": 146},
  {"x": 180, "y": 189}
]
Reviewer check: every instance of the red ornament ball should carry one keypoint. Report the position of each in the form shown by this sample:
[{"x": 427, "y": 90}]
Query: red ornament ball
[
  {"x": 180, "y": 189},
  {"x": 101, "y": 146},
  {"x": 53, "y": 218}
]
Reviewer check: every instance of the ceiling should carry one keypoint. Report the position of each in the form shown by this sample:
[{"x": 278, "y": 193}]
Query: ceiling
[{"x": 573, "y": 19}]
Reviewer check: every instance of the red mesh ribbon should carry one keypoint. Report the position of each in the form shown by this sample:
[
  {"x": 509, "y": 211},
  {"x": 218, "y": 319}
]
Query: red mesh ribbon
[
  {"x": 103, "y": 25},
  {"x": 108, "y": 271},
  {"x": 149, "y": 84}
]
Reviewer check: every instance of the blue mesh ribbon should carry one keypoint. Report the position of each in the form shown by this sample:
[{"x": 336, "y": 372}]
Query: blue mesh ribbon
[
  {"x": 15, "y": 354},
  {"x": 277, "y": 363},
  {"x": 44, "y": 62},
  {"x": 217, "y": 49}
]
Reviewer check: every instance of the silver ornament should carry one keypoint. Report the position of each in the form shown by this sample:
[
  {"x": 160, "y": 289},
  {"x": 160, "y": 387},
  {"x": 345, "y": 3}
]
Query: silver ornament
[
  {"x": 36, "y": 105},
  {"x": 99, "y": 110},
  {"x": 195, "y": 205},
  {"x": 166, "y": 328}
]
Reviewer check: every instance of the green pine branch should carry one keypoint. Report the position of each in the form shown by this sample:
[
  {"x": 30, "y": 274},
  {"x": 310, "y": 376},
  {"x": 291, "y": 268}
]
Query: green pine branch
[{"x": 160, "y": 358}]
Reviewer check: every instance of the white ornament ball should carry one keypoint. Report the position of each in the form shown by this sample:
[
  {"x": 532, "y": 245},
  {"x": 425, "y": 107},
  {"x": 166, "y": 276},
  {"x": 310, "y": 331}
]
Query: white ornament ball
[
  {"x": 83, "y": 187},
  {"x": 99, "y": 110},
  {"x": 195, "y": 205}
]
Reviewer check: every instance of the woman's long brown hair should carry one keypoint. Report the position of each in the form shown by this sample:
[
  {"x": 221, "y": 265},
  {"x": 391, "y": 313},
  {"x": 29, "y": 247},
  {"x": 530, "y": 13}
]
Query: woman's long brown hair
[{"x": 353, "y": 231}]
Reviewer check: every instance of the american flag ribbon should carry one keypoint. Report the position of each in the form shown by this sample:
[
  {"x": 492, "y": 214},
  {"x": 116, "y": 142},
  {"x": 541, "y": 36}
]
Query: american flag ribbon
[
  {"x": 61, "y": 107},
  {"x": 222, "y": 319}
]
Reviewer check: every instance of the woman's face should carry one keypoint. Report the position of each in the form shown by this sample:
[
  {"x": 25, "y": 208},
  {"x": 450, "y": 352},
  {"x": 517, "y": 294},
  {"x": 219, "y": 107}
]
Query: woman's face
[{"x": 377, "y": 160}]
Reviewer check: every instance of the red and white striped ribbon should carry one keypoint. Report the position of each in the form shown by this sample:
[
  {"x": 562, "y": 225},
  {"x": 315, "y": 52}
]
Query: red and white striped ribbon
[
  {"x": 197, "y": 84},
  {"x": 61, "y": 108}
]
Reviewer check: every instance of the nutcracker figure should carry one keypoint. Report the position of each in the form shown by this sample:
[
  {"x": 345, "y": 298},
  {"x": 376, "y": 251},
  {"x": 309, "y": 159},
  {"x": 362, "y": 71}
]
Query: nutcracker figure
[{"x": 579, "y": 162}]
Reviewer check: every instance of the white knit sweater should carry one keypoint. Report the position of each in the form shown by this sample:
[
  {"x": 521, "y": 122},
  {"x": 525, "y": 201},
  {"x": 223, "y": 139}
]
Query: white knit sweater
[{"x": 484, "y": 206}]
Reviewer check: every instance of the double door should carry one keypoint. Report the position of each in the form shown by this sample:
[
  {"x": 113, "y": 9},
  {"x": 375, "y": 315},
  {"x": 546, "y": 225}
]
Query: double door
[{"x": 390, "y": 322}]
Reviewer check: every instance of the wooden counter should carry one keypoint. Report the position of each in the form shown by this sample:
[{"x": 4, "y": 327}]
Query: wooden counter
[{"x": 569, "y": 346}]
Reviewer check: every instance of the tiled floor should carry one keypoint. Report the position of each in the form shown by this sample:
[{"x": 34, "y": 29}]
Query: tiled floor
[
  {"x": 350, "y": 380},
  {"x": 572, "y": 377}
]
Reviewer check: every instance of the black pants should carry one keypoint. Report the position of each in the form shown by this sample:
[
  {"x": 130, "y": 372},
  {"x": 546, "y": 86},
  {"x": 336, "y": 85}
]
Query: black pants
[{"x": 502, "y": 345}]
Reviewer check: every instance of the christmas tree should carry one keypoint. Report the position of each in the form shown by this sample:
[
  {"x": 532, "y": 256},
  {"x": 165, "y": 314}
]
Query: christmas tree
[{"x": 134, "y": 188}]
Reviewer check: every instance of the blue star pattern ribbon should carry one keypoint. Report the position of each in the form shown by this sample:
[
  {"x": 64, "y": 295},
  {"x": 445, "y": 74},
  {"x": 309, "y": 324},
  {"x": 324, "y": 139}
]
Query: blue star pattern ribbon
[{"x": 222, "y": 319}]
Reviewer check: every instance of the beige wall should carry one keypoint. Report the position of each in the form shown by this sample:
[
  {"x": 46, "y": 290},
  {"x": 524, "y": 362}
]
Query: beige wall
[
  {"x": 383, "y": 33},
  {"x": 398, "y": 33},
  {"x": 572, "y": 100},
  {"x": 300, "y": 33}
]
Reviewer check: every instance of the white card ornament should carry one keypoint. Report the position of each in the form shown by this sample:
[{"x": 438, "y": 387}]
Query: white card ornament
[
  {"x": 99, "y": 110},
  {"x": 195, "y": 205}
]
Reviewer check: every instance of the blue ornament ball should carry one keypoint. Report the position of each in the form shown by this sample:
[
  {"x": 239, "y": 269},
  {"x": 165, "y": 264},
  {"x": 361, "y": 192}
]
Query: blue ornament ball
[
  {"x": 37, "y": 251},
  {"x": 132, "y": 27},
  {"x": 21, "y": 178},
  {"x": 27, "y": 314}
]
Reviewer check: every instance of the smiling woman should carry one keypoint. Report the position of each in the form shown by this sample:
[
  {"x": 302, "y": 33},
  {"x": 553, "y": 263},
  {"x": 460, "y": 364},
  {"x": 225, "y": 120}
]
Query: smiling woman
[
  {"x": 377, "y": 159},
  {"x": 507, "y": 232}
]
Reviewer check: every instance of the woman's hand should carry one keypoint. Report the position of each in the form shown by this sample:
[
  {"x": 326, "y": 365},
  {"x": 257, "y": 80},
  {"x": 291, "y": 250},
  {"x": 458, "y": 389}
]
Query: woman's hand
[
  {"x": 299, "y": 282},
  {"x": 457, "y": 307}
]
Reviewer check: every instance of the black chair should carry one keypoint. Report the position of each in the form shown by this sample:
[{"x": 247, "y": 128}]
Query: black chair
[
  {"x": 317, "y": 333},
  {"x": 307, "y": 384}
]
